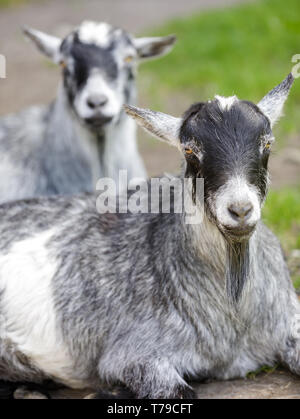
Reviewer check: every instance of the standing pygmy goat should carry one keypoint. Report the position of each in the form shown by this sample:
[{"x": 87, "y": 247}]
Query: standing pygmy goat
[
  {"x": 85, "y": 134},
  {"x": 149, "y": 300}
]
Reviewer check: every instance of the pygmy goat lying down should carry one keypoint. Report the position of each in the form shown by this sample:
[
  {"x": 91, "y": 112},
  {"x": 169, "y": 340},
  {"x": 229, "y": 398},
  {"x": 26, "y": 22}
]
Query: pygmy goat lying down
[
  {"x": 85, "y": 134},
  {"x": 149, "y": 300}
]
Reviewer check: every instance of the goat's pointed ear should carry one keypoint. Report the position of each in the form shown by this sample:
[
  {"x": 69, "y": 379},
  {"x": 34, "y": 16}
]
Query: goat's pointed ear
[
  {"x": 154, "y": 47},
  {"x": 164, "y": 127},
  {"x": 49, "y": 45},
  {"x": 272, "y": 104}
]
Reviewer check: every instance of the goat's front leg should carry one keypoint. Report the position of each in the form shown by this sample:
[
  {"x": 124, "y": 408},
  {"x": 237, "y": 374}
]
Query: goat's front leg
[
  {"x": 291, "y": 353},
  {"x": 153, "y": 380},
  {"x": 156, "y": 379},
  {"x": 13, "y": 390}
]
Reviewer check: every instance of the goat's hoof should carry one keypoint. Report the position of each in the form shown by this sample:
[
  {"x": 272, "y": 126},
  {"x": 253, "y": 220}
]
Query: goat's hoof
[
  {"x": 185, "y": 393},
  {"x": 23, "y": 393},
  {"x": 91, "y": 396},
  {"x": 114, "y": 393}
]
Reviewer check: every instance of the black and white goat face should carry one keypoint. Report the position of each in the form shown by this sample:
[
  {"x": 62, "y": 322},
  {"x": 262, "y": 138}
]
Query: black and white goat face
[
  {"x": 99, "y": 65},
  {"x": 227, "y": 142}
]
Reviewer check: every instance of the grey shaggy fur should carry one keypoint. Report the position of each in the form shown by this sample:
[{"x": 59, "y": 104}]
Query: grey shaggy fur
[
  {"x": 142, "y": 299},
  {"x": 138, "y": 302}
]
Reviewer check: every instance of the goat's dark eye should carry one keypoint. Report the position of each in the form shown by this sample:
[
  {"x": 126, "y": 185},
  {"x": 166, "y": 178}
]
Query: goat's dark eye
[
  {"x": 188, "y": 151},
  {"x": 63, "y": 64},
  {"x": 129, "y": 59},
  {"x": 268, "y": 146},
  {"x": 266, "y": 142}
]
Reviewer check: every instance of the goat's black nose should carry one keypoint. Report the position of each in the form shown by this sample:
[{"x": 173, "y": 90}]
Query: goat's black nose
[
  {"x": 97, "y": 101},
  {"x": 240, "y": 212}
]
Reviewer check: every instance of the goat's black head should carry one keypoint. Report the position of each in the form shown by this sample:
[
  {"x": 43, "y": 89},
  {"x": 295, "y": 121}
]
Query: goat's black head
[
  {"x": 227, "y": 142},
  {"x": 99, "y": 65}
]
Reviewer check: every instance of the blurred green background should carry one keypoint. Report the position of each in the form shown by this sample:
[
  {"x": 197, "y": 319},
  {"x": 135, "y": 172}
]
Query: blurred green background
[{"x": 6, "y": 3}]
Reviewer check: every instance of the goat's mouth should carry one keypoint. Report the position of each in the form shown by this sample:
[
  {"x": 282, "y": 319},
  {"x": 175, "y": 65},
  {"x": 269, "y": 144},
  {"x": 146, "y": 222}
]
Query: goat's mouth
[
  {"x": 239, "y": 234},
  {"x": 98, "y": 122}
]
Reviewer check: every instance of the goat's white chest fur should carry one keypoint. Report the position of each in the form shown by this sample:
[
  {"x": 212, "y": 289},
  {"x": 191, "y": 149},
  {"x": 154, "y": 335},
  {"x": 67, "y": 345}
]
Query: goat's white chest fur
[{"x": 26, "y": 272}]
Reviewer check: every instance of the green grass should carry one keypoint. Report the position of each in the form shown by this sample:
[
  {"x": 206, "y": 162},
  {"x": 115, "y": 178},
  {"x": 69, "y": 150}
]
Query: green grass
[
  {"x": 265, "y": 369},
  {"x": 297, "y": 282},
  {"x": 282, "y": 215},
  {"x": 6, "y": 3},
  {"x": 244, "y": 50}
]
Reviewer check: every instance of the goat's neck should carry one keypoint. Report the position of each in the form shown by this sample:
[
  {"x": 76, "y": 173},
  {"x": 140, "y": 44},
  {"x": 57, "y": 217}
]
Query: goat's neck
[
  {"x": 103, "y": 151},
  {"x": 229, "y": 261},
  {"x": 70, "y": 141}
]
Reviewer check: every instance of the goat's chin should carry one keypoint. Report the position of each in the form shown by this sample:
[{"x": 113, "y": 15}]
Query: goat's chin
[
  {"x": 98, "y": 123},
  {"x": 231, "y": 234},
  {"x": 237, "y": 235}
]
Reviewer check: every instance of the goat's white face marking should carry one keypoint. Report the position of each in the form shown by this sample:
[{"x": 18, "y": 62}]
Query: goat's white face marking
[
  {"x": 26, "y": 273},
  {"x": 237, "y": 191},
  {"x": 97, "y": 86},
  {"x": 226, "y": 103},
  {"x": 95, "y": 33}
]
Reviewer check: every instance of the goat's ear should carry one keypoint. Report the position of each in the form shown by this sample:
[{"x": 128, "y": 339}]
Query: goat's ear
[
  {"x": 164, "y": 127},
  {"x": 272, "y": 104},
  {"x": 154, "y": 47},
  {"x": 49, "y": 45}
]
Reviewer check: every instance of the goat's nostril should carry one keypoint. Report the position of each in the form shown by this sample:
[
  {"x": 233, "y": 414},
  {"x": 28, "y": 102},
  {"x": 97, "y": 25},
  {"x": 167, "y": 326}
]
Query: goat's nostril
[
  {"x": 97, "y": 101},
  {"x": 240, "y": 212}
]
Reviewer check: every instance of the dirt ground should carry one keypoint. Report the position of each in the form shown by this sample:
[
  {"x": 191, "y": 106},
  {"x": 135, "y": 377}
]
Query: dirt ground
[
  {"x": 31, "y": 80},
  {"x": 277, "y": 385}
]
